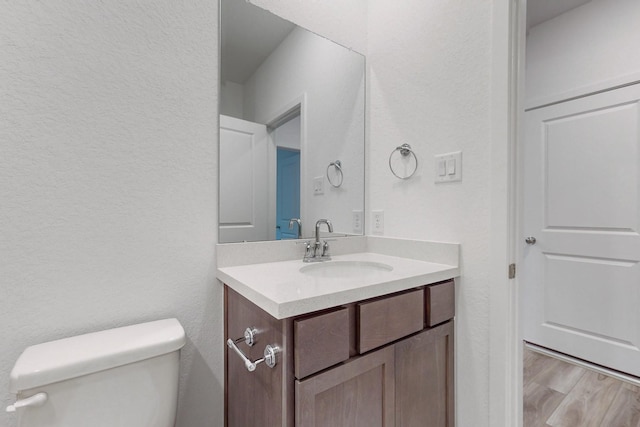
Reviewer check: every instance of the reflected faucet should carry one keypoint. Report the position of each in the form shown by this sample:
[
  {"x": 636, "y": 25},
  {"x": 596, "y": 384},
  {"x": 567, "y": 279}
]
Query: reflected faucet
[
  {"x": 299, "y": 221},
  {"x": 325, "y": 246}
]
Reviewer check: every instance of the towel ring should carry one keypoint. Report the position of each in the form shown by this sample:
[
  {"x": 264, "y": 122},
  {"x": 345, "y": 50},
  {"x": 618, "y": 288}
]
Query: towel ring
[
  {"x": 405, "y": 150},
  {"x": 338, "y": 167}
]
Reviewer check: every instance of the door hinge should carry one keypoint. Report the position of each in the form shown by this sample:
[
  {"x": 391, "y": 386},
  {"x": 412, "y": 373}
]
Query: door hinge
[{"x": 512, "y": 271}]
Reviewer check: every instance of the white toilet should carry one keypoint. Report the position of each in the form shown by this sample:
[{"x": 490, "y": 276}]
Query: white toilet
[{"x": 123, "y": 377}]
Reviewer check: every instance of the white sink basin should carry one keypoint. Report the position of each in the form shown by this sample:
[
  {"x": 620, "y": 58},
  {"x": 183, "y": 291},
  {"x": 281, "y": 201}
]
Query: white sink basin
[{"x": 345, "y": 269}]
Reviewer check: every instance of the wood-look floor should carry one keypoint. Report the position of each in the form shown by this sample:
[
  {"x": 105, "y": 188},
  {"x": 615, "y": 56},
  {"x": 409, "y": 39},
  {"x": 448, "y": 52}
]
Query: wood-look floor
[{"x": 559, "y": 394}]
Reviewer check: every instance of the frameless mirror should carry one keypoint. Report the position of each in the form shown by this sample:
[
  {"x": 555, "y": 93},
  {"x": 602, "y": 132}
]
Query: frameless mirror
[{"x": 291, "y": 129}]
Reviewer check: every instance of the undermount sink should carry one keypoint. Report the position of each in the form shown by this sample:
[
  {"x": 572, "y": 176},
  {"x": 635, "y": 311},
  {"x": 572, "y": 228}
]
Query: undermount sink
[{"x": 345, "y": 269}]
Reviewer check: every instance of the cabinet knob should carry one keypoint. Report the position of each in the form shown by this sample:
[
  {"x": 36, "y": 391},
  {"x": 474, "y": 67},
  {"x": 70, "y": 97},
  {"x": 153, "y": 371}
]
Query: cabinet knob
[{"x": 530, "y": 240}]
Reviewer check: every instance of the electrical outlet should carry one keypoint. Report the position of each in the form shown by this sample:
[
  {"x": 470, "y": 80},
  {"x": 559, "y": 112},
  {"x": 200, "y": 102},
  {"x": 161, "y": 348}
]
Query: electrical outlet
[
  {"x": 377, "y": 219},
  {"x": 357, "y": 221},
  {"x": 318, "y": 185}
]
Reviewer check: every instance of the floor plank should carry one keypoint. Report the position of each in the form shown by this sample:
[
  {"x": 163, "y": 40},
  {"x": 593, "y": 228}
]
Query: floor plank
[
  {"x": 625, "y": 409},
  {"x": 539, "y": 404},
  {"x": 587, "y": 403},
  {"x": 534, "y": 363},
  {"x": 559, "y": 376}
]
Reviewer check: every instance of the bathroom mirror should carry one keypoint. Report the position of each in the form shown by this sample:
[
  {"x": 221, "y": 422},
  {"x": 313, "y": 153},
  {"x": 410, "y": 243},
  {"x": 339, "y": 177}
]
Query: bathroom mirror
[{"x": 291, "y": 129}]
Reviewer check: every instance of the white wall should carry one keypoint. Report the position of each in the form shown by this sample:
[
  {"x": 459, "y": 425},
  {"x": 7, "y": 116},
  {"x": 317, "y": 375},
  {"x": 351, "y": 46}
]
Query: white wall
[
  {"x": 108, "y": 178},
  {"x": 231, "y": 99},
  {"x": 343, "y": 21},
  {"x": 287, "y": 135},
  {"x": 430, "y": 85},
  {"x": 589, "y": 48},
  {"x": 302, "y": 66}
]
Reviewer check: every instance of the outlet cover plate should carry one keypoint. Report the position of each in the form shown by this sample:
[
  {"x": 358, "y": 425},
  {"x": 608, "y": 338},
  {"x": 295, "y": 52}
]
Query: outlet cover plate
[
  {"x": 357, "y": 221},
  {"x": 377, "y": 222}
]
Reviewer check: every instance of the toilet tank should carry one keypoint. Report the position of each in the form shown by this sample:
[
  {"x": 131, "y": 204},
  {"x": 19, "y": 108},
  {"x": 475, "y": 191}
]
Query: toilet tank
[{"x": 124, "y": 377}]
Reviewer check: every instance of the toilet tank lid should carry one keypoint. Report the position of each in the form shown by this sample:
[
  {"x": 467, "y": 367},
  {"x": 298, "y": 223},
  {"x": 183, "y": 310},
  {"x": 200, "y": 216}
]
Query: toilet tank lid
[{"x": 72, "y": 357}]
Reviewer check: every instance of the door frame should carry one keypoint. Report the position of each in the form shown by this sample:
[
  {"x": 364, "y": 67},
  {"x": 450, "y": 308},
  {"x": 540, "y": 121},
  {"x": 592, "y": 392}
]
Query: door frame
[{"x": 505, "y": 344}]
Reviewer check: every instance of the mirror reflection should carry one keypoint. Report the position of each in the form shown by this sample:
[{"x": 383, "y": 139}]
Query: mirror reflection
[{"x": 291, "y": 129}]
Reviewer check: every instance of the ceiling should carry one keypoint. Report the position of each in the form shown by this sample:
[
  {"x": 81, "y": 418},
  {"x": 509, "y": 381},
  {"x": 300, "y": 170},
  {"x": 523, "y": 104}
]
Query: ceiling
[
  {"x": 249, "y": 35},
  {"x": 539, "y": 11}
]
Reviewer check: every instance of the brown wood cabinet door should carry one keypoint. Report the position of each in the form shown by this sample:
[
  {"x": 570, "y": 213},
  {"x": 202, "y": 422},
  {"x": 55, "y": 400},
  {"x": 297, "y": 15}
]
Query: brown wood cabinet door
[
  {"x": 424, "y": 379},
  {"x": 359, "y": 393}
]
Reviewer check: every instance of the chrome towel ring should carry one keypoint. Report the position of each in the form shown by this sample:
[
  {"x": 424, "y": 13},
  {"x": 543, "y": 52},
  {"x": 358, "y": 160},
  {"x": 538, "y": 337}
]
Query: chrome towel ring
[
  {"x": 405, "y": 150},
  {"x": 338, "y": 171}
]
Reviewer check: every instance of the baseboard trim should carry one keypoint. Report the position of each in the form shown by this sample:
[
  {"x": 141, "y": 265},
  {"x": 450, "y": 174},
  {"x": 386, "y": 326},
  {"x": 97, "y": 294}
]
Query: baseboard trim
[{"x": 633, "y": 380}]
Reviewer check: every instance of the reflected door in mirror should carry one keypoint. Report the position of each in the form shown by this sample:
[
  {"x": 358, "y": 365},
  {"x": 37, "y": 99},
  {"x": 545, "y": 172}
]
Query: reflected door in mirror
[{"x": 243, "y": 181}]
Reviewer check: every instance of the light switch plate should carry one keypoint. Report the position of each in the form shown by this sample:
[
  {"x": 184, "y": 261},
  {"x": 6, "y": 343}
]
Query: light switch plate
[
  {"x": 318, "y": 185},
  {"x": 448, "y": 167}
]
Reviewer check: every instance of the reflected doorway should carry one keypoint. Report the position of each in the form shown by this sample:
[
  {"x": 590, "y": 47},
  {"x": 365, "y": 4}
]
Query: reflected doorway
[
  {"x": 287, "y": 140},
  {"x": 287, "y": 193}
]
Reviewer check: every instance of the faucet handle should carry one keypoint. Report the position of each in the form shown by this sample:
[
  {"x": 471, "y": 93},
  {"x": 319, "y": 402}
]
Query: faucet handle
[
  {"x": 309, "y": 252},
  {"x": 325, "y": 250}
]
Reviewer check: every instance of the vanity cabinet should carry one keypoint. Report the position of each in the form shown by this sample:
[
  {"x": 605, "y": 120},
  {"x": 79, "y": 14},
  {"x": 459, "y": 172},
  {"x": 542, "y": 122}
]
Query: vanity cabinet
[{"x": 387, "y": 361}]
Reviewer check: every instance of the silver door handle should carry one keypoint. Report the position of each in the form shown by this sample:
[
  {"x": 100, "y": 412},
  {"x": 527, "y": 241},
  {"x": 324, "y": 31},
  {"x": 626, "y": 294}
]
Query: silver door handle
[{"x": 530, "y": 240}]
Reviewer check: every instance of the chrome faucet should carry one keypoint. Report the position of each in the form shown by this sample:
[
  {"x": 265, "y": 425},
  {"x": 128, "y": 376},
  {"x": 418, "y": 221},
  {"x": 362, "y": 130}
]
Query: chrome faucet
[
  {"x": 299, "y": 221},
  {"x": 319, "y": 251}
]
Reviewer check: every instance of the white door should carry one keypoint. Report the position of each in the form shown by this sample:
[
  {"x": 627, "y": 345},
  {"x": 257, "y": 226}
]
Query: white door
[
  {"x": 581, "y": 279},
  {"x": 244, "y": 180}
]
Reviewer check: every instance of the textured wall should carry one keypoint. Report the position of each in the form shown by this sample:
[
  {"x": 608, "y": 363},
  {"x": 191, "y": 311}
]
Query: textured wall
[
  {"x": 593, "y": 44},
  {"x": 108, "y": 171},
  {"x": 429, "y": 85}
]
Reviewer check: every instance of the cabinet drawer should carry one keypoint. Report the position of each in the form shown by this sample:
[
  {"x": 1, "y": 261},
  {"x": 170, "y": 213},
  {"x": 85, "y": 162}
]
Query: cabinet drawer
[
  {"x": 320, "y": 341},
  {"x": 440, "y": 302},
  {"x": 388, "y": 319}
]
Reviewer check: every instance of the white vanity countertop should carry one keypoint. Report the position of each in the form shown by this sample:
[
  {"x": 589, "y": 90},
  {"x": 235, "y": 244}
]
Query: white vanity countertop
[{"x": 280, "y": 289}]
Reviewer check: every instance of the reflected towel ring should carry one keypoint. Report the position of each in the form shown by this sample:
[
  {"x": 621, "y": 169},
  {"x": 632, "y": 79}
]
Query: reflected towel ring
[
  {"x": 338, "y": 166},
  {"x": 405, "y": 150}
]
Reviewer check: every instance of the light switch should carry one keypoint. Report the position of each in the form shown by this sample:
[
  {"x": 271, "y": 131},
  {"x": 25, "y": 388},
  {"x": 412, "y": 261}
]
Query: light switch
[
  {"x": 451, "y": 166},
  {"x": 442, "y": 169},
  {"x": 448, "y": 167}
]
